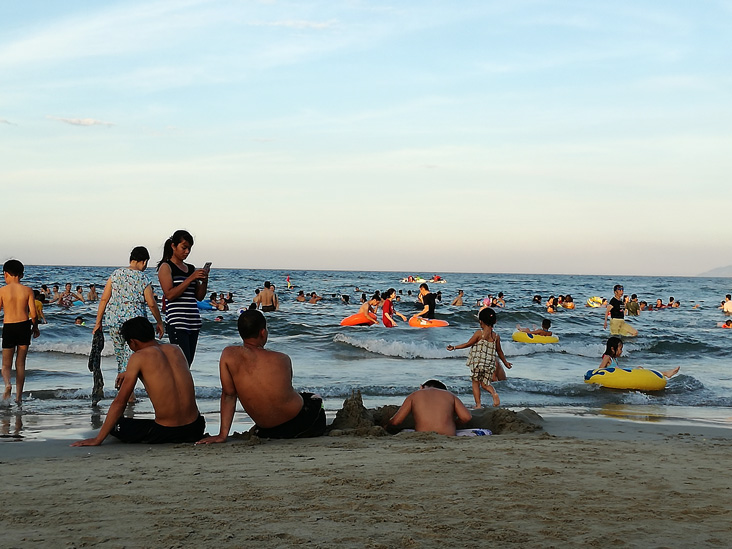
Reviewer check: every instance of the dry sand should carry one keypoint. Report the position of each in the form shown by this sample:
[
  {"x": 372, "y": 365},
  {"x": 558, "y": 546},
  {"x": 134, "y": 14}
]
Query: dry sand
[{"x": 577, "y": 483}]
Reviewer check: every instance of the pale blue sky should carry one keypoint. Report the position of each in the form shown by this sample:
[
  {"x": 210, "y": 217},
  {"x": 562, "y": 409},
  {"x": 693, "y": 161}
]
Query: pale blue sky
[{"x": 525, "y": 136}]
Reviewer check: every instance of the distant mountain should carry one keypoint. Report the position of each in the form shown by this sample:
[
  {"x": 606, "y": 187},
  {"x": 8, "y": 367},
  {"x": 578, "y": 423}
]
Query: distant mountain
[{"x": 719, "y": 271}]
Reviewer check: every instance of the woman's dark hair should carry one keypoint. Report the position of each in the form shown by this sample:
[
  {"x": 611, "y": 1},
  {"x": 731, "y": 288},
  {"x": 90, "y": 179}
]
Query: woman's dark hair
[
  {"x": 178, "y": 236},
  {"x": 213, "y": 296},
  {"x": 612, "y": 346},
  {"x": 388, "y": 293},
  {"x": 487, "y": 316},
  {"x": 139, "y": 253}
]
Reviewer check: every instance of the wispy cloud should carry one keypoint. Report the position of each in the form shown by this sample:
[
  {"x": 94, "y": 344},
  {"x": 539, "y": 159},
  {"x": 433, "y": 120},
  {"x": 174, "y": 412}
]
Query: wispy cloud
[
  {"x": 81, "y": 121},
  {"x": 298, "y": 24},
  {"x": 8, "y": 122},
  {"x": 118, "y": 30}
]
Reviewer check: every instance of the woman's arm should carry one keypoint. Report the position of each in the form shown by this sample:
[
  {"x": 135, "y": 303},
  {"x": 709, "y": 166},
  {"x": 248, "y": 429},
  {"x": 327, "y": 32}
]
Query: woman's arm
[
  {"x": 153, "y": 305},
  {"x": 106, "y": 295}
]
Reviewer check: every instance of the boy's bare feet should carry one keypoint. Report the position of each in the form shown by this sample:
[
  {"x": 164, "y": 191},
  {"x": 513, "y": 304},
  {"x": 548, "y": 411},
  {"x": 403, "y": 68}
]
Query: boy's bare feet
[{"x": 8, "y": 390}]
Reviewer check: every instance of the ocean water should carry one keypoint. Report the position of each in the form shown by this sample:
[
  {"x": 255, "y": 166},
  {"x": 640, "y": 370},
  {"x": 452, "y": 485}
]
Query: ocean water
[{"x": 388, "y": 364}]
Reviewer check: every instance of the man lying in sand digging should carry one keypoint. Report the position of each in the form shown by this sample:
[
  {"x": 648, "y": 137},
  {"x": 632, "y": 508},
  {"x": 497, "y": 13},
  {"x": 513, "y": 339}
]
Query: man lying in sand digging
[
  {"x": 163, "y": 369},
  {"x": 433, "y": 408},
  {"x": 262, "y": 380}
]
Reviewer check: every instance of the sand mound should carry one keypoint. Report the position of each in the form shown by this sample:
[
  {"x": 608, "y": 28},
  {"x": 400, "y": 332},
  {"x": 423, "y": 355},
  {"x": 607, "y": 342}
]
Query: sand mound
[{"x": 355, "y": 419}]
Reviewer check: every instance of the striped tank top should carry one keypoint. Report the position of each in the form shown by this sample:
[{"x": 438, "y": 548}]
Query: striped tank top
[{"x": 182, "y": 312}]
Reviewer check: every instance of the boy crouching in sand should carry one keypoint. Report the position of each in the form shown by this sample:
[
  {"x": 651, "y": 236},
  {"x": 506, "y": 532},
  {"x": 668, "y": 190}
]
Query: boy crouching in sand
[
  {"x": 433, "y": 408},
  {"x": 20, "y": 321}
]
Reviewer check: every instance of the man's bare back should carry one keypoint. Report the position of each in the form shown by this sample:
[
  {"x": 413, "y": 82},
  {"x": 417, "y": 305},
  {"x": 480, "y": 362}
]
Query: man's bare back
[
  {"x": 164, "y": 371},
  {"x": 433, "y": 409},
  {"x": 266, "y": 297},
  {"x": 262, "y": 380}
]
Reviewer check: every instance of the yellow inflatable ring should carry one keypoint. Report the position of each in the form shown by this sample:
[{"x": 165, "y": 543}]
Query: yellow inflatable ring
[
  {"x": 640, "y": 379},
  {"x": 523, "y": 337},
  {"x": 594, "y": 302}
]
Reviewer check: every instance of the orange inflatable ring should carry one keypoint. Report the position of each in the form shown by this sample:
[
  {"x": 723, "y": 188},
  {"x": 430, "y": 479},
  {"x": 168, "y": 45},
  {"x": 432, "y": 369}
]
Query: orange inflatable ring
[
  {"x": 419, "y": 322},
  {"x": 359, "y": 319}
]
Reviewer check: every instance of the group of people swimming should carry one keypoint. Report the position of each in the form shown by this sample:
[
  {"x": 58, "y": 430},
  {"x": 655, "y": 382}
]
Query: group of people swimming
[{"x": 220, "y": 301}]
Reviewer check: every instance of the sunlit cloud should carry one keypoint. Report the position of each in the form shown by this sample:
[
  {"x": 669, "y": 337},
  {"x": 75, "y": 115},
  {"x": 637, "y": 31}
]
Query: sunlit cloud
[
  {"x": 298, "y": 24},
  {"x": 81, "y": 121}
]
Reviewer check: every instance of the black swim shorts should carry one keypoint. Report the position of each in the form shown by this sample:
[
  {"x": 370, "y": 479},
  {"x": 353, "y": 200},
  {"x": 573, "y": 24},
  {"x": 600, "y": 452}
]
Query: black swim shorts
[
  {"x": 17, "y": 333},
  {"x": 147, "y": 431},
  {"x": 309, "y": 422},
  {"x": 268, "y": 308}
]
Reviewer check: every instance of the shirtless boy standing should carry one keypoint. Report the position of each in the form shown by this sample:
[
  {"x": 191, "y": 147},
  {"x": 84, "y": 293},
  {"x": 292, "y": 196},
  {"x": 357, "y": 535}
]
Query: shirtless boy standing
[
  {"x": 20, "y": 321},
  {"x": 262, "y": 380},
  {"x": 433, "y": 408}
]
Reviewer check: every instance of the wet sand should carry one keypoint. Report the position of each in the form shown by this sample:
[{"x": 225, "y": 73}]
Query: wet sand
[{"x": 578, "y": 482}]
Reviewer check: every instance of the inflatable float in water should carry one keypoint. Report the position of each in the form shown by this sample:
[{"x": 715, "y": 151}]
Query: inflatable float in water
[
  {"x": 594, "y": 302},
  {"x": 523, "y": 337},
  {"x": 359, "y": 319},
  {"x": 205, "y": 305},
  {"x": 639, "y": 379},
  {"x": 419, "y": 322}
]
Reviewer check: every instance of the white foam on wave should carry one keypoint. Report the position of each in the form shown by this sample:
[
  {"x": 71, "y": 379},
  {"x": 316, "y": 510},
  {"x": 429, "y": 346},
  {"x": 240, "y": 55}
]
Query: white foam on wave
[
  {"x": 395, "y": 348},
  {"x": 67, "y": 348}
]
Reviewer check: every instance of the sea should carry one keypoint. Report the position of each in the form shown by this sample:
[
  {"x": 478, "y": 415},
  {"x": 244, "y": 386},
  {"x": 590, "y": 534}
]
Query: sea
[{"x": 387, "y": 364}]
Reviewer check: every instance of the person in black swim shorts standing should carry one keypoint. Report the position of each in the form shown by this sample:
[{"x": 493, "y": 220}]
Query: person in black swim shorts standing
[{"x": 262, "y": 381}]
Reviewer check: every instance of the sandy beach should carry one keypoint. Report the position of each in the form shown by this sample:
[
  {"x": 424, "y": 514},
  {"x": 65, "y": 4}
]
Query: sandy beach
[{"x": 577, "y": 482}]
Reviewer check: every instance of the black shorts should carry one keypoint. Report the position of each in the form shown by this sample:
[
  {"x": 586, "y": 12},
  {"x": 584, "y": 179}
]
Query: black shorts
[
  {"x": 148, "y": 432},
  {"x": 268, "y": 308},
  {"x": 309, "y": 422},
  {"x": 16, "y": 334}
]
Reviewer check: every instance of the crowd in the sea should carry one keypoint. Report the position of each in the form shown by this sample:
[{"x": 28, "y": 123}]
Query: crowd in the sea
[{"x": 257, "y": 377}]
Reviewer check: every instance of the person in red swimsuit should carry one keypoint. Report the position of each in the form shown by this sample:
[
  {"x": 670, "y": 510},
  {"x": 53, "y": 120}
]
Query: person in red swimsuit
[{"x": 388, "y": 311}]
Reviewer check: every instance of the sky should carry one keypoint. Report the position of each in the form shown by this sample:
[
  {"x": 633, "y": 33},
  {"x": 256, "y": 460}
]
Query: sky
[{"x": 413, "y": 136}]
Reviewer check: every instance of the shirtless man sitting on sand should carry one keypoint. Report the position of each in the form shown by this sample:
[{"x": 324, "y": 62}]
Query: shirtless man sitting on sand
[
  {"x": 163, "y": 369},
  {"x": 262, "y": 380},
  {"x": 433, "y": 408}
]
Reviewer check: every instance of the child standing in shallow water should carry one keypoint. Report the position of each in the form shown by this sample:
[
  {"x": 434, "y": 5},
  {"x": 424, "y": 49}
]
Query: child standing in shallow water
[
  {"x": 484, "y": 345},
  {"x": 19, "y": 324}
]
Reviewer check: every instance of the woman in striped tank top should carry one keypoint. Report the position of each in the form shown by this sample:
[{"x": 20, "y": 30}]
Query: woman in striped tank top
[{"x": 183, "y": 286}]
